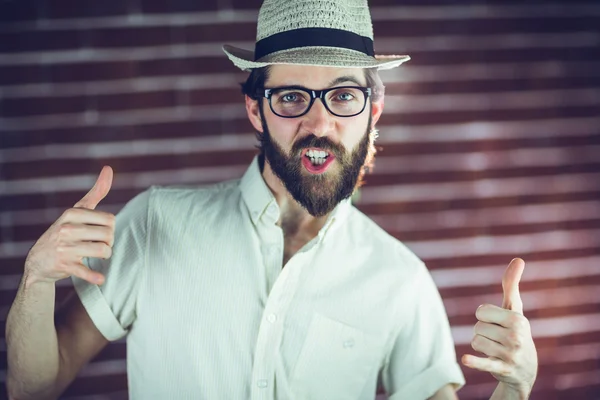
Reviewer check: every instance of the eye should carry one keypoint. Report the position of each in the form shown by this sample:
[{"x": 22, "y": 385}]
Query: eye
[
  {"x": 291, "y": 97},
  {"x": 345, "y": 96}
]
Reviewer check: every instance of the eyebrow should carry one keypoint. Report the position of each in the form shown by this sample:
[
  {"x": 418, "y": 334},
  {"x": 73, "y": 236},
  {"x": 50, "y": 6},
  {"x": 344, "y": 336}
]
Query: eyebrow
[
  {"x": 342, "y": 79},
  {"x": 336, "y": 81}
]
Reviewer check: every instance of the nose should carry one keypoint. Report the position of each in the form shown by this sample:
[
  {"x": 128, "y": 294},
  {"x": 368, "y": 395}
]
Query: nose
[{"x": 318, "y": 121}]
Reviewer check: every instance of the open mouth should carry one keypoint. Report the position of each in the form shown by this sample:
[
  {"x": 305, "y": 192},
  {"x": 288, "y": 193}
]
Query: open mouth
[
  {"x": 317, "y": 157},
  {"x": 316, "y": 161}
]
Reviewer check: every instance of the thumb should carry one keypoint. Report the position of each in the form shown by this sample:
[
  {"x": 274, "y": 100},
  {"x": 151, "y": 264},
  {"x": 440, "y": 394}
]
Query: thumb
[
  {"x": 98, "y": 191},
  {"x": 510, "y": 286}
]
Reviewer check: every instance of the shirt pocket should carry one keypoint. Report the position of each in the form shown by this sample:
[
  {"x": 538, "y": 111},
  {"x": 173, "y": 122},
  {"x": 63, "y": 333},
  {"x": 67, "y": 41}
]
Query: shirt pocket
[{"x": 335, "y": 361}]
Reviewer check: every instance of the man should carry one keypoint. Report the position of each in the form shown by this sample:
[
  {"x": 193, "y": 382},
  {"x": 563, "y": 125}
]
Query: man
[{"x": 272, "y": 286}]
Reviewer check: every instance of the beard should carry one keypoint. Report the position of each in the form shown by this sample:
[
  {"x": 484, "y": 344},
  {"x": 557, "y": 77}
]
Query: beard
[{"x": 319, "y": 194}]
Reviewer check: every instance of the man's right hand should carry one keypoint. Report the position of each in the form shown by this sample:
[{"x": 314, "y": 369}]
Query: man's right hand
[{"x": 79, "y": 232}]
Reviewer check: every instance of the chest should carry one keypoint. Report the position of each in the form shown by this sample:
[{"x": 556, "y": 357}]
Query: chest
[
  {"x": 296, "y": 326},
  {"x": 293, "y": 244}
]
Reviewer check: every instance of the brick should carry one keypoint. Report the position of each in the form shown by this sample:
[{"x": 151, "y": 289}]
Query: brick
[
  {"x": 492, "y": 259},
  {"x": 491, "y": 85},
  {"x": 449, "y": 146},
  {"x": 487, "y": 290},
  {"x": 215, "y": 96},
  {"x": 86, "y": 134},
  {"x": 525, "y": 55},
  {"x": 109, "y": 8},
  {"x": 20, "y": 107},
  {"x": 186, "y": 66},
  {"x": 20, "y": 74},
  {"x": 549, "y": 392},
  {"x": 462, "y": 203},
  {"x": 66, "y": 9},
  {"x": 177, "y": 6},
  {"x": 449, "y": 117},
  {"x": 532, "y": 314},
  {"x": 249, "y": 4},
  {"x": 84, "y": 9},
  {"x": 482, "y": 26},
  {"x": 38, "y": 41},
  {"x": 381, "y": 3},
  {"x": 131, "y": 164},
  {"x": 130, "y": 37},
  {"x": 92, "y": 71},
  {"x": 107, "y": 70},
  {"x": 92, "y": 134},
  {"x": 15, "y": 11},
  {"x": 155, "y": 6},
  {"x": 36, "y": 201},
  {"x": 219, "y": 32},
  {"x": 399, "y": 178},
  {"x": 139, "y": 100},
  {"x": 182, "y": 6},
  {"x": 500, "y": 230}
]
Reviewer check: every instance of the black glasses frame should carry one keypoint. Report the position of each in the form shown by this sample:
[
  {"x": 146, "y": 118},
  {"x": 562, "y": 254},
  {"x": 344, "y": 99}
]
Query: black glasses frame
[{"x": 315, "y": 94}]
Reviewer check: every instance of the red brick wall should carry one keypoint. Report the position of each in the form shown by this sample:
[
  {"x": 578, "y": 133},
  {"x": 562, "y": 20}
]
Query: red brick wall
[{"x": 491, "y": 146}]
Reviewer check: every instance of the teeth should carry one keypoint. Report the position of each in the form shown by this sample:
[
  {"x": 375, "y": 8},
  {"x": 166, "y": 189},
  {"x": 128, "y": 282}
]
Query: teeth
[
  {"x": 317, "y": 157},
  {"x": 316, "y": 153}
]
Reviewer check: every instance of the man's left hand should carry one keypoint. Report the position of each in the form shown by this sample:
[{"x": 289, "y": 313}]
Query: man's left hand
[{"x": 504, "y": 336}]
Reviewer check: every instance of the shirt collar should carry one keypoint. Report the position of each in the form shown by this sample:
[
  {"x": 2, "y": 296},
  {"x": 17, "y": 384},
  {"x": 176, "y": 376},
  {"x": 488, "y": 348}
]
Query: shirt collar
[
  {"x": 338, "y": 215},
  {"x": 256, "y": 193},
  {"x": 260, "y": 200}
]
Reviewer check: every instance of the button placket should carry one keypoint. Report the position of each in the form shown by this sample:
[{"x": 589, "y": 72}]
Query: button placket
[{"x": 270, "y": 330}]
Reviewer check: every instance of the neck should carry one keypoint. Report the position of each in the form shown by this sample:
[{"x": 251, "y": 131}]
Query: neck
[{"x": 294, "y": 219}]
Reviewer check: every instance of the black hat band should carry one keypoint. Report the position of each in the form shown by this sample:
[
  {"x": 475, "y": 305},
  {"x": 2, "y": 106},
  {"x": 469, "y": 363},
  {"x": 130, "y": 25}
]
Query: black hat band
[{"x": 305, "y": 37}]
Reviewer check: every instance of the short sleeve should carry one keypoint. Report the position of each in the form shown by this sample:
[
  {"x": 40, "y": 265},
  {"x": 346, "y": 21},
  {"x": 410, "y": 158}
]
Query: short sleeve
[
  {"x": 112, "y": 305},
  {"x": 422, "y": 358}
]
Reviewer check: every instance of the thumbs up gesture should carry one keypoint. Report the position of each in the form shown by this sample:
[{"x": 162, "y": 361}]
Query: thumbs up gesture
[
  {"x": 79, "y": 232},
  {"x": 504, "y": 336}
]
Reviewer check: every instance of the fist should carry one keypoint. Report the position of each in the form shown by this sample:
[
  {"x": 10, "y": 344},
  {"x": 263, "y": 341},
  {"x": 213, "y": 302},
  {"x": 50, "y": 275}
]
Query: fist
[
  {"x": 504, "y": 336},
  {"x": 79, "y": 232}
]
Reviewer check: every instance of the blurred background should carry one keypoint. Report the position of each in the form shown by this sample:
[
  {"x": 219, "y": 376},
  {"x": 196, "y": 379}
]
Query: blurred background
[{"x": 490, "y": 147}]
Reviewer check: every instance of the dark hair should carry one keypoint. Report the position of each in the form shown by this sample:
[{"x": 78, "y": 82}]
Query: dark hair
[{"x": 257, "y": 78}]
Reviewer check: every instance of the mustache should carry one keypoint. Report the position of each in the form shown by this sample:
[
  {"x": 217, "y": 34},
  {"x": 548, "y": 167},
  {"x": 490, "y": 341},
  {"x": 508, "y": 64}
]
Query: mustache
[{"x": 320, "y": 142}]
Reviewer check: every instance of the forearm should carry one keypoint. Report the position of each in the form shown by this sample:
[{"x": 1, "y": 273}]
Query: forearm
[
  {"x": 505, "y": 392},
  {"x": 32, "y": 345}
]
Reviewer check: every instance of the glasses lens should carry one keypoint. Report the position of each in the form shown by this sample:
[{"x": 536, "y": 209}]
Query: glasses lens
[
  {"x": 345, "y": 101},
  {"x": 290, "y": 102}
]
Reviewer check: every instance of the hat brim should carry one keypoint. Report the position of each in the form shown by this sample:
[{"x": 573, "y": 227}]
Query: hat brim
[{"x": 314, "y": 55}]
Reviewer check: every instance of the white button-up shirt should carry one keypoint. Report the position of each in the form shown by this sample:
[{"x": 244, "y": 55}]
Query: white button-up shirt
[{"x": 196, "y": 283}]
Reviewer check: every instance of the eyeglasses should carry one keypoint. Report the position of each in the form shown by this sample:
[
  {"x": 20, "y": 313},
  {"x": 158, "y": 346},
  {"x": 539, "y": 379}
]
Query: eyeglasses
[{"x": 296, "y": 101}]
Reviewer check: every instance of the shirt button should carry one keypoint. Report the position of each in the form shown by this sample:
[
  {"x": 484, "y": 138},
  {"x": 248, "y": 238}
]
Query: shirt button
[
  {"x": 272, "y": 318},
  {"x": 262, "y": 383},
  {"x": 349, "y": 343}
]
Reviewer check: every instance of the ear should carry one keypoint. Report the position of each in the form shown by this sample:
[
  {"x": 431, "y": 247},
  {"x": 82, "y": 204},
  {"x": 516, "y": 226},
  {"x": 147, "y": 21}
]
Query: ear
[
  {"x": 376, "y": 110},
  {"x": 254, "y": 113}
]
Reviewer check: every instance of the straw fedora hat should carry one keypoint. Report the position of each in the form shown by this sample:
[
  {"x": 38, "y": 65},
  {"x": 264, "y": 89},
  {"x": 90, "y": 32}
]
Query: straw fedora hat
[{"x": 334, "y": 33}]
